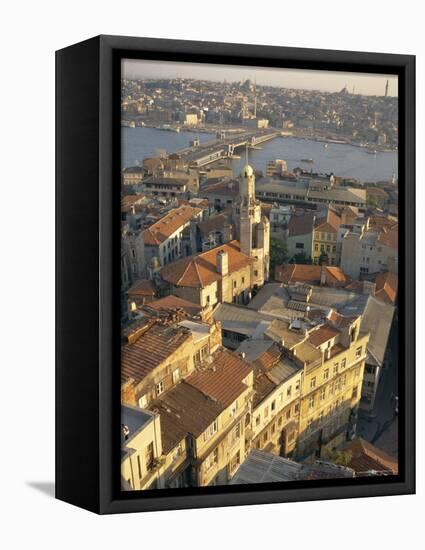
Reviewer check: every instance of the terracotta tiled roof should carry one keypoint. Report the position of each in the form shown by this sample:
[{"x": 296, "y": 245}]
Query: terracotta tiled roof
[
  {"x": 301, "y": 225},
  {"x": 150, "y": 349},
  {"x": 169, "y": 224},
  {"x": 222, "y": 380},
  {"x": 389, "y": 237},
  {"x": 367, "y": 457},
  {"x": 184, "y": 409},
  {"x": 310, "y": 274},
  {"x": 144, "y": 287},
  {"x": 200, "y": 270},
  {"x": 268, "y": 358},
  {"x": 340, "y": 321},
  {"x": 330, "y": 223},
  {"x": 263, "y": 386},
  {"x": 322, "y": 335},
  {"x": 174, "y": 302},
  {"x": 386, "y": 287}
]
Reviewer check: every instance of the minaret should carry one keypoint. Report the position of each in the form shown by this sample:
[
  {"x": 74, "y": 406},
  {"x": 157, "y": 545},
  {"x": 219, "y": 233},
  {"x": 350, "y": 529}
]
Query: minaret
[
  {"x": 249, "y": 210},
  {"x": 255, "y": 98}
]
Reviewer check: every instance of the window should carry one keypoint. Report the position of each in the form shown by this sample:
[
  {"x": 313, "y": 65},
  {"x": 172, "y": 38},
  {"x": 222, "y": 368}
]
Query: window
[
  {"x": 139, "y": 467},
  {"x": 297, "y": 386},
  {"x": 288, "y": 414},
  {"x": 211, "y": 460},
  {"x": 243, "y": 280},
  {"x": 289, "y": 391},
  {"x": 210, "y": 431},
  {"x": 313, "y": 382},
  {"x": 176, "y": 376},
  {"x": 335, "y": 369},
  {"x": 316, "y": 247},
  {"x": 236, "y": 460},
  {"x": 299, "y": 245},
  {"x": 325, "y": 374},
  {"x": 257, "y": 420},
  {"x": 234, "y": 284},
  {"x": 331, "y": 389},
  {"x": 322, "y": 394},
  {"x": 143, "y": 402},
  {"x": 358, "y": 352},
  {"x": 354, "y": 394},
  {"x": 279, "y": 421},
  {"x": 344, "y": 380},
  {"x": 208, "y": 299},
  {"x": 234, "y": 408},
  {"x": 273, "y": 429},
  {"x": 266, "y": 412},
  {"x": 159, "y": 388},
  {"x": 297, "y": 408},
  {"x": 255, "y": 273},
  {"x": 343, "y": 363},
  {"x": 235, "y": 433},
  {"x": 357, "y": 372},
  {"x": 149, "y": 456},
  {"x": 273, "y": 406},
  {"x": 311, "y": 402}
]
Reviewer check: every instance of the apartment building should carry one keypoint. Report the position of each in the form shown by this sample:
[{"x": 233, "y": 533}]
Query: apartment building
[
  {"x": 164, "y": 239},
  {"x": 158, "y": 352}
]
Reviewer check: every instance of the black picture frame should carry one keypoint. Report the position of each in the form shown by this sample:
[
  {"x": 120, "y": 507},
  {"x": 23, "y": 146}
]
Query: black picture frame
[{"x": 87, "y": 273}]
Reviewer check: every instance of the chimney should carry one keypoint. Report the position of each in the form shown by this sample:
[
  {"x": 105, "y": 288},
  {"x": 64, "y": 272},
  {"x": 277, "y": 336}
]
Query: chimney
[
  {"x": 323, "y": 275},
  {"x": 227, "y": 232},
  {"x": 223, "y": 263}
]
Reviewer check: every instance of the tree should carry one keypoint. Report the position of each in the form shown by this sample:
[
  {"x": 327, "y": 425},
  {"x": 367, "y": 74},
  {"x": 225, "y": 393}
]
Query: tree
[
  {"x": 342, "y": 458},
  {"x": 278, "y": 254},
  {"x": 301, "y": 258}
]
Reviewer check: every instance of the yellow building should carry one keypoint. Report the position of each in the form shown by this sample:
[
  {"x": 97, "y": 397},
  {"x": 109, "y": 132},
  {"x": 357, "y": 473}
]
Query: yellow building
[
  {"x": 333, "y": 358},
  {"x": 325, "y": 238},
  {"x": 210, "y": 412}
]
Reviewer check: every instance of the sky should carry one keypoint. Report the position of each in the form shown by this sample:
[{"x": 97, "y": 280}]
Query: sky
[{"x": 328, "y": 81}]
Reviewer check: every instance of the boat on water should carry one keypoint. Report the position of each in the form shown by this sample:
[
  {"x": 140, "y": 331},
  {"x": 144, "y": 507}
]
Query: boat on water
[
  {"x": 307, "y": 160},
  {"x": 326, "y": 145},
  {"x": 371, "y": 151},
  {"x": 128, "y": 123}
]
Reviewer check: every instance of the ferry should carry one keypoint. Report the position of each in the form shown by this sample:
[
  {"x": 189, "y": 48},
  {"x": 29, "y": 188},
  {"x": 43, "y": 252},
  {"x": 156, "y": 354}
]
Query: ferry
[{"x": 307, "y": 160}]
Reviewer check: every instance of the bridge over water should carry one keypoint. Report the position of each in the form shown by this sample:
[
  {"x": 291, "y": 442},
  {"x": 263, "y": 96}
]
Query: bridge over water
[{"x": 211, "y": 151}]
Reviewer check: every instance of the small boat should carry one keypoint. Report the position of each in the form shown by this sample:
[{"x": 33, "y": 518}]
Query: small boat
[
  {"x": 326, "y": 145},
  {"x": 371, "y": 151},
  {"x": 307, "y": 160}
]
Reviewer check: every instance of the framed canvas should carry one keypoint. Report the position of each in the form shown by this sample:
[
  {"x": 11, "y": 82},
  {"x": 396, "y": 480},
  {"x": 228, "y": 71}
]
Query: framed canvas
[{"x": 235, "y": 274}]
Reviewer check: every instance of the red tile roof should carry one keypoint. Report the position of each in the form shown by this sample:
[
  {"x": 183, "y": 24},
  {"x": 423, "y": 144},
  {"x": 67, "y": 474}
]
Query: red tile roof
[
  {"x": 174, "y": 302},
  {"x": 200, "y": 270},
  {"x": 389, "y": 237},
  {"x": 310, "y": 274},
  {"x": 322, "y": 335},
  {"x": 330, "y": 223},
  {"x": 144, "y": 287},
  {"x": 386, "y": 287},
  {"x": 150, "y": 349},
  {"x": 184, "y": 409},
  {"x": 366, "y": 458},
  {"x": 222, "y": 380},
  {"x": 169, "y": 224}
]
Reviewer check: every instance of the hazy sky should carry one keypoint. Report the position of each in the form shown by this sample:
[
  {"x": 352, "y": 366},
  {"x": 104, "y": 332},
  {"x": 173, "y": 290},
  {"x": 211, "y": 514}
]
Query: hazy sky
[{"x": 330, "y": 81}]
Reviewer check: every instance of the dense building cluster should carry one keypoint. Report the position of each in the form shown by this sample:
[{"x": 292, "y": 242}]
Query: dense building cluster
[
  {"x": 257, "y": 310},
  {"x": 342, "y": 115}
]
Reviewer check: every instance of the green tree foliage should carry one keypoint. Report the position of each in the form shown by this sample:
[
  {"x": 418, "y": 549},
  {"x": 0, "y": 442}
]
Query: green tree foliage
[
  {"x": 342, "y": 458},
  {"x": 278, "y": 254},
  {"x": 301, "y": 258}
]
